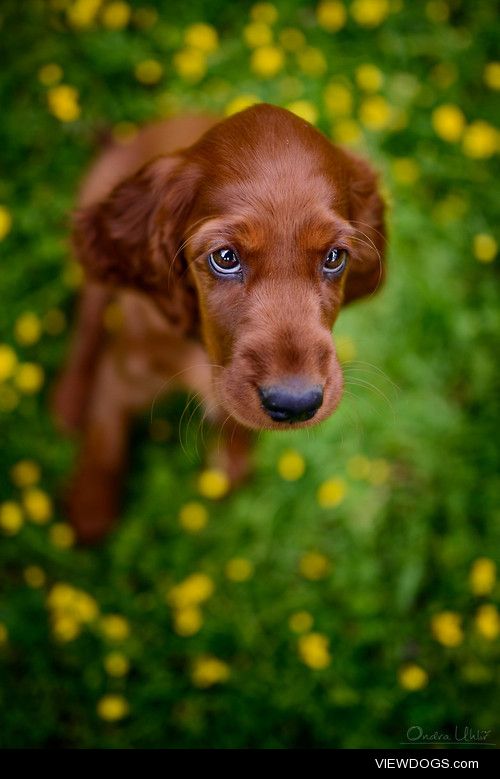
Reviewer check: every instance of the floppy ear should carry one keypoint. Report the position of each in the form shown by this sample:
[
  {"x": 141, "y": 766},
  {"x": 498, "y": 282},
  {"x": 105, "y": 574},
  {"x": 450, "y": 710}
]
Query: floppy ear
[
  {"x": 131, "y": 239},
  {"x": 366, "y": 214}
]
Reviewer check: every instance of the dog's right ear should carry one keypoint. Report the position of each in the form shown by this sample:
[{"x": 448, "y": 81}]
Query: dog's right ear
[{"x": 131, "y": 238}]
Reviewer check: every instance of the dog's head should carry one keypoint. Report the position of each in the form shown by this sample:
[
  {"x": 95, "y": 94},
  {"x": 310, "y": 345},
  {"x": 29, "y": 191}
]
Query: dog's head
[{"x": 270, "y": 229}]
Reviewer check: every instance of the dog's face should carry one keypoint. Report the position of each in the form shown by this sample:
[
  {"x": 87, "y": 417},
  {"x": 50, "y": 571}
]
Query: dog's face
[{"x": 276, "y": 228}]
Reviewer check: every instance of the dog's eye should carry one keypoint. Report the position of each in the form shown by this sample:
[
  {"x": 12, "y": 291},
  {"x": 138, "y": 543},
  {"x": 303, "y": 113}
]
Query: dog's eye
[
  {"x": 335, "y": 262},
  {"x": 224, "y": 261}
]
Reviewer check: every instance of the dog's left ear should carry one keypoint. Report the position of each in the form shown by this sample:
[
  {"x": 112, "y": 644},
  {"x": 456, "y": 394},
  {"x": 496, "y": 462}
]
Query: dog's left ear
[{"x": 366, "y": 214}]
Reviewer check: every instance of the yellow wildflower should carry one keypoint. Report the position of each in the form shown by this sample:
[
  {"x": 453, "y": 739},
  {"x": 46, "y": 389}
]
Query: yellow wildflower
[
  {"x": 201, "y": 36},
  {"x": 314, "y": 566},
  {"x": 190, "y": 64},
  {"x": 347, "y": 131},
  {"x": 116, "y": 664},
  {"x": 81, "y": 13},
  {"x": 240, "y": 103},
  {"x": 11, "y": 517},
  {"x": 112, "y": 707},
  {"x": 65, "y": 627},
  {"x": 448, "y": 122},
  {"x": 291, "y": 465},
  {"x": 412, "y": 677},
  {"x": 375, "y": 112},
  {"x": 84, "y": 606},
  {"x": 63, "y": 102},
  {"x": 331, "y": 15},
  {"x": 213, "y": 483},
  {"x": 29, "y": 377},
  {"x": 487, "y": 621},
  {"x": 314, "y": 650},
  {"x": 195, "y": 589},
  {"x": 61, "y": 597},
  {"x": 4, "y": 634},
  {"x": 257, "y": 34},
  {"x": 480, "y": 140},
  {"x": 54, "y": 321},
  {"x": 312, "y": 61},
  {"x": 28, "y": 328},
  {"x": 62, "y": 535},
  {"x": 405, "y": 170},
  {"x": 148, "y": 72},
  {"x": 209, "y": 670},
  {"x": 369, "y": 78},
  {"x": 25, "y": 473},
  {"x": 5, "y": 222},
  {"x": 187, "y": 621},
  {"x": 264, "y": 12},
  {"x": 239, "y": 569},
  {"x": 116, "y": 15},
  {"x": 337, "y": 99},
  {"x": 115, "y": 627},
  {"x": 8, "y": 361},
  {"x": 38, "y": 505},
  {"x": 292, "y": 39},
  {"x": 491, "y": 75},
  {"x": 485, "y": 247},
  {"x": 34, "y": 576},
  {"x": 50, "y": 74},
  {"x": 331, "y": 493},
  {"x": 345, "y": 348},
  {"x": 369, "y": 13},
  {"x": 447, "y": 629},
  {"x": 300, "y": 622},
  {"x": 482, "y": 576},
  {"x": 305, "y": 110},
  {"x": 193, "y": 517},
  {"x": 267, "y": 61}
]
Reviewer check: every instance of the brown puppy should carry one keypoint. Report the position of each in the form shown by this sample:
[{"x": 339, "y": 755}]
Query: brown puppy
[{"x": 229, "y": 260}]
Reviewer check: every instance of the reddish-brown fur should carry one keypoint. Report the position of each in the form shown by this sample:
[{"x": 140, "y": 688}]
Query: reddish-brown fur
[{"x": 263, "y": 182}]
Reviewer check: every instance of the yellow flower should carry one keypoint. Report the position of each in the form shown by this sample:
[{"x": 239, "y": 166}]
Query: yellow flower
[
  {"x": 314, "y": 566},
  {"x": 448, "y": 122},
  {"x": 375, "y": 112},
  {"x": 369, "y": 13},
  {"x": 380, "y": 470},
  {"x": 331, "y": 15},
  {"x": 54, "y": 321},
  {"x": 8, "y": 362},
  {"x": 314, "y": 650},
  {"x": 412, "y": 677},
  {"x": 112, "y": 707},
  {"x": 305, "y": 110},
  {"x": 34, "y": 576},
  {"x": 187, "y": 621},
  {"x": 63, "y": 103},
  {"x": 337, "y": 99},
  {"x": 81, "y": 13},
  {"x": 50, "y": 74},
  {"x": 480, "y": 140},
  {"x": 312, "y": 62},
  {"x": 115, "y": 627},
  {"x": 201, "y": 36},
  {"x": 291, "y": 465},
  {"x": 190, "y": 64},
  {"x": 405, "y": 170},
  {"x": 213, "y": 483},
  {"x": 345, "y": 348},
  {"x": 347, "y": 131},
  {"x": 437, "y": 11},
  {"x": 264, "y": 12},
  {"x": 29, "y": 377},
  {"x": 193, "y": 517},
  {"x": 25, "y": 473},
  {"x": 491, "y": 75},
  {"x": 238, "y": 569},
  {"x": 11, "y": 517},
  {"x": 482, "y": 576},
  {"x": 5, "y": 222},
  {"x": 331, "y": 493},
  {"x": 116, "y": 664},
  {"x": 485, "y": 247},
  {"x": 267, "y": 61},
  {"x": 27, "y": 328},
  {"x": 84, "y": 606},
  {"x": 148, "y": 72},
  {"x": 300, "y": 622},
  {"x": 62, "y": 535},
  {"x": 61, "y": 597},
  {"x": 240, "y": 103},
  {"x": 38, "y": 505},
  {"x": 195, "y": 589},
  {"x": 257, "y": 34},
  {"x": 488, "y": 621},
  {"x": 447, "y": 628},
  {"x": 116, "y": 16},
  {"x": 65, "y": 627},
  {"x": 369, "y": 78},
  {"x": 4, "y": 634},
  {"x": 209, "y": 670},
  {"x": 292, "y": 39}
]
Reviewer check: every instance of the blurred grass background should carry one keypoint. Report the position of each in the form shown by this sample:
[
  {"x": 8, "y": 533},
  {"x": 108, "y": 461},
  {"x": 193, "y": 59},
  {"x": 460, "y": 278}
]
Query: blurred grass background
[{"x": 348, "y": 591}]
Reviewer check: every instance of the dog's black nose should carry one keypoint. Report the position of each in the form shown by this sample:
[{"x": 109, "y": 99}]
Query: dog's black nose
[{"x": 291, "y": 402}]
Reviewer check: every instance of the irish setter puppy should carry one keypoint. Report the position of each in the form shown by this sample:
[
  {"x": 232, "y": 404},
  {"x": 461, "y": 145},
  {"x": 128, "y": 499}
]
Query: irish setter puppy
[{"x": 229, "y": 248}]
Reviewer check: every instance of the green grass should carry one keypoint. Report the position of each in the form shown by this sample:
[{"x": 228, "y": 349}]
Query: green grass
[{"x": 423, "y": 398}]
